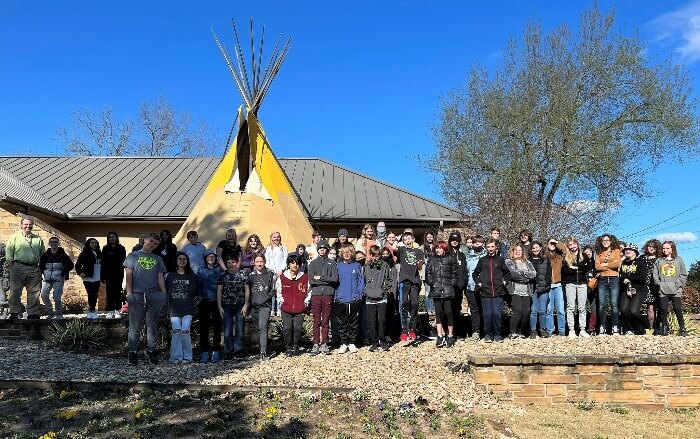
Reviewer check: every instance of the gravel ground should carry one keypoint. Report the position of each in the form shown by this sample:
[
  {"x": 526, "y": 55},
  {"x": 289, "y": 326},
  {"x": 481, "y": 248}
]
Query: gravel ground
[{"x": 400, "y": 375}]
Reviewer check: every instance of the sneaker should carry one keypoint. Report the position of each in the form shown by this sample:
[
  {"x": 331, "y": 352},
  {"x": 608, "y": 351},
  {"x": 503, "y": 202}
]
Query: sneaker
[
  {"x": 325, "y": 350},
  {"x": 185, "y": 361},
  {"x": 264, "y": 356},
  {"x": 412, "y": 335},
  {"x": 315, "y": 350},
  {"x": 174, "y": 361},
  {"x": 204, "y": 358},
  {"x": 117, "y": 315},
  {"x": 683, "y": 333},
  {"x": 153, "y": 358},
  {"x": 545, "y": 334},
  {"x": 404, "y": 335},
  {"x": 572, "y": 334},
  {"x": 513, "y": 336},
  {"x": 343, "y": 349},
  {"x": 498, "y": 339},
  {"x": 533, "y": 334},
  {"x": 374, "y": 347},
  {"x": 352, "y": 348},
  {"x": 133, "y": 358},
  {"x": 488, "y": 339},
  {"x": 289, "y": 352},
  {"x": 215, "y": 358},
  {"x": 440, "y": 342},
  {"x": 615, "y": 331},
  {"x": 450, "y": 342},
  {"x": 383, "y": 347},
  {"x": 475, "y": 336},
  {"x": 629, "y": 333},
  {"x": 601, "y": 332},
  {"x": 584, "y": 334}
]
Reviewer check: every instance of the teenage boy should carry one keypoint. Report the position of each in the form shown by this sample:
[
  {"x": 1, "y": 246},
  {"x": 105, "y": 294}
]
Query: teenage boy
[
  {"x": 145, "y": 294},
  {"x": 411, "y": 260},
  {"x": 500, "y": 246},
  {"x": 312, "y": 250},
  {"x": 491, "y": 276},
  {"x": 348, "y": 297},
  {"x": 195, "y": 250},
  {"x": 323, "y": 278},
  {"x": 473, "y": 293},
  {"x": 378, "y": 282}
]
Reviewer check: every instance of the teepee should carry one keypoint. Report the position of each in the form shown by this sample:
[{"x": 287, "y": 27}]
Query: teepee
[{"x": 249, "y": 191}]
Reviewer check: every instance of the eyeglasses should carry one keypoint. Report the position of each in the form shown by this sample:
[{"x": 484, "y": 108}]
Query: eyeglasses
[{"x": 605, "y": 240}]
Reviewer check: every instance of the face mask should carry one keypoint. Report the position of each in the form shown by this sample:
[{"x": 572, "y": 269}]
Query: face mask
[{"x": 381, "y": 230}]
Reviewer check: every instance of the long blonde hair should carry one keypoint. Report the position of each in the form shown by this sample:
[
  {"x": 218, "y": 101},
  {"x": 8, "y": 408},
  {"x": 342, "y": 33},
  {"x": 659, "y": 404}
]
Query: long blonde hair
[{"x": 570, "y": 257}]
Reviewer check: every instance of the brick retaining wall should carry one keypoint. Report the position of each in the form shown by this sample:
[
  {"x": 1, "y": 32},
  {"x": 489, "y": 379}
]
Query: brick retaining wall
[{"x": 645, "y": 382}]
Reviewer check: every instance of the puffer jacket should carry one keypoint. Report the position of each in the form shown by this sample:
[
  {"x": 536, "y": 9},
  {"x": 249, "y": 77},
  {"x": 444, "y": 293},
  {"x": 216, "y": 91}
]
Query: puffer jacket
[
  {"x": 491, "y": 272},
  {"x": 543, "y": 280},
  {"x": 442, "y": 273},
  {"x": 55, "y": 267}
]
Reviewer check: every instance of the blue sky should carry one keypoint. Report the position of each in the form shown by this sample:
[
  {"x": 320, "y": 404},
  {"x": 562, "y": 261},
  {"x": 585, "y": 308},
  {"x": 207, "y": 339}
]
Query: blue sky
[{"x": 360, "y": 88}]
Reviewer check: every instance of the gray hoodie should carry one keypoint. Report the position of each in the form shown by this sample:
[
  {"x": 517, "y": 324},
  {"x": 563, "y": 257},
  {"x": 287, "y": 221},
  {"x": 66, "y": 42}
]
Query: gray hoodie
[{"x": 670, "y": 275}]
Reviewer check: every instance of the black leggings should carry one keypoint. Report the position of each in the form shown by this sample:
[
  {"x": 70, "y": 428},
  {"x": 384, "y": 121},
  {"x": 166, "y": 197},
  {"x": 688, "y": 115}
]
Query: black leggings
[
  {"x": 520, "y": 320},
  {"x": 663, "y": 314},
  {"x": 631, "y": 310},
  {"x": 209, "y": 316},
  {"x": 113, "y": 286},
  {"x": 443, "y": 312},
  {"x": 93, "y": 290}
]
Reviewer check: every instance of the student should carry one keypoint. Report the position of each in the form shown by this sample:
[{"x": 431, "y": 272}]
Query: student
[
  {"x": 428, "y": 251},
  {"x": 367, "y": 239},
  {"x": 378, "y": 282},
  {"x": 381, "y": 234},
  {"x": 473, "y": 292},
  {"x": 633, "y": 291},
  {"x": 392, "y": 247},
  {"x": 55, "y": 266},
  {"x": 262, "y": 283},
  {"x": 292, "y": 292},
  {"x": 167, "y": 250},
  {"x": 323, "y": 278},
  {"x": 341, "y": 241},
  {"x": 607, "y": 264},
  {"x": 348, "y": 296},
  {"x": 671, "y": 276},
  {"x": 304, "y": 258},
  {"x": 411, "y": 260},
  {"x": 209, "y": 316},
  {"x": 455, "y": 249},
  {"x": 574, "y": 271},
  {"x": 142, "y": 239},
  {"x": 112, "y": 274},
  {"x": 555, "y": 254},
  {"x": 88, "y": 267},
  {"x": 233, "y": 298},
  {"x": 541, "y": 285},
  {"x": 195, "y": 251},
  {"x": 520, "y": 288},
  {"x": 333, "y": 254},
  {"x": 500, "y": 245},
  {"x": 526, "y": 241},
  {"x": 592, "y": 293},
  {"x": 491, "y": 276},
  {"x": 145, "y": 294},
  {"x": 182, "y": 288},
  {"x": 652, "y": 251},
  {"x": 311, "y": 250},
  {"x": 228, "y": 247},
  {"x": 441, "y": 273},
  {"x": 276, "y": 257},
  {"x": 253, "y": 248}
]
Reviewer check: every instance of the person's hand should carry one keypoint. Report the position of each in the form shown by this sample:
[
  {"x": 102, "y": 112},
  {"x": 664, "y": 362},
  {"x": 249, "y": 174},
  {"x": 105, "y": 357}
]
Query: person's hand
[
  {"x": 244, "y": 310},
  {"x": 221, "y": 311},
  {"x": 317, "y": 277},
  {"x": 625, "y": 281}
]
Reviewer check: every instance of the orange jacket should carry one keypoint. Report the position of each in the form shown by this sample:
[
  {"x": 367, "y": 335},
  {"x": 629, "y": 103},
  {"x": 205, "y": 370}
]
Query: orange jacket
[{"x": 613, "y": 263}]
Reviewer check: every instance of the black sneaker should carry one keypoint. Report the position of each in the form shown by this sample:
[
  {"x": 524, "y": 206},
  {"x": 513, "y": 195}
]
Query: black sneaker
[
  {"x": 13, "y": 316},
  {"x": 383, "y": 346},
  {"x": 488, "y": 339},
  {"x": 33, "y": 317},
  {"x": 289, "y": 352},
  {"x": 683, "y": 333},
  {"x": 133, "y": 358},
  {"x": 153, "y": 358},
  {"x": 498, "y": 339},
  {"x": 533, "y": 334},
  {"x": 440, "y": 342},
  {"x": 374, "y": 347},
  {"x": 450, "y": 342}
]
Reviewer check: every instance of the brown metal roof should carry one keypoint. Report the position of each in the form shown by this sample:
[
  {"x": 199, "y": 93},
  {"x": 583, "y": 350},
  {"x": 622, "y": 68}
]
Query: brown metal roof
[{"x": 168, "y": 188}]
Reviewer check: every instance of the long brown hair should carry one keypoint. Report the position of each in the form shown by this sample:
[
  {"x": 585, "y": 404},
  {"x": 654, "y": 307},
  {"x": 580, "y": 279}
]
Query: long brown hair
[
  {"x": 614, "y": 243},
  {"x": 674, "y": 252},
  {"x": 654, "y": 243}
]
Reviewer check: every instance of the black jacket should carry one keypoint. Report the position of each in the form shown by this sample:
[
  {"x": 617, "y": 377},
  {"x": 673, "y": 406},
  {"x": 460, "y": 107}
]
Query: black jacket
[
  {"x": 326, "y": 269},
  {"x": 86, "y": 262},
  {"x": 636, "y": 272},
  {"x": 491, "y": 272},
  {"x": 543, "y": 281},
  {"x": 441, "y": 274},
  {"x": 576, "y": 275},
  {"x": 113, "y": 263},
  {"x": 462, "y": 270},
  {"x": 262, "y": 287},
  {"x": 59, "y": 258},
  {"x": 168, "y": 253}
]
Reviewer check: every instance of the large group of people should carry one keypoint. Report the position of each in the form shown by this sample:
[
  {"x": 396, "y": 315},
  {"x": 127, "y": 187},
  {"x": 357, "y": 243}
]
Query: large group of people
[{"x": 361, "y": 293}]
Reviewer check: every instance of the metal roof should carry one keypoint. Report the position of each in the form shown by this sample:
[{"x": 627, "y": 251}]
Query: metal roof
[
  {"x": 16, "y": 190},
  {"x": 168, "y": 188}
]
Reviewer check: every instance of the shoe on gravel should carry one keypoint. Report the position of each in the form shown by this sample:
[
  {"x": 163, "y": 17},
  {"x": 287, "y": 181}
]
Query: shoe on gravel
[
  {"x": 325, "y": 350},
  {"x": 342, "y": 349},
  {"x": 133, "y": 358},
  {"x": 450, "y": 342},
  {"x": 352, "y": 348},
  {"x": 153, "y": 358},
  {"x": 315, "y": 350}
]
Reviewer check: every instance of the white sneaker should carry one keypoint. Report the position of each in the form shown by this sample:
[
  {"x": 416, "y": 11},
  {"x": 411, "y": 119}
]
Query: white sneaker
[
  {"x": 572, "y": 334},
  {"x": 352, "y": 348},
  {"x": 584, "y": 334},
  {"x": 629, "y": 333},
  {"x": 343, "y": 349},
  {"x": 601, "y": 333},
  {"x": 88, "y": 315},
  {"x": 117, "y": 315},
  {"x": 615, "y": 331}
]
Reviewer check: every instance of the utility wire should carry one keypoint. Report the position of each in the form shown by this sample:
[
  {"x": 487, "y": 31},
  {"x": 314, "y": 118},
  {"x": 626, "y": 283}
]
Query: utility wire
[
  {"x": 662, "y": 222},
  {"x": 664, "y": 228}
]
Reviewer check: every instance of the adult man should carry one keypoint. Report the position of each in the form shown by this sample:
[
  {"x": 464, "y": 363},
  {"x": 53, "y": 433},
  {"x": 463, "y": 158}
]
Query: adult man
[
  {"x": 24, "y": 249},
  {"x": 323, "y": 280},
  {"x": 145, "y": 294},
  {"x": 312, "y": 249},
  {"x": 501, "y": 247},
  {"x": 195, "y": 250},
  {"x": 381, "y": 234}
]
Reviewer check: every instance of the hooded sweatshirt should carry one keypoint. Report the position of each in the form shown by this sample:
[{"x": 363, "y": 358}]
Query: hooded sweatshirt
[
  {"x": 55, "y": 266},
  {"x": 351, "y": 285},
  {"x": 472, "y": 259},
  {"x": 326, "y": 269},
  {"x": 262, "y": 286},
  {"x": 208, "y": 279},
  {"x": 670, "y": 275},
  {"x": 378, "y": 281}
]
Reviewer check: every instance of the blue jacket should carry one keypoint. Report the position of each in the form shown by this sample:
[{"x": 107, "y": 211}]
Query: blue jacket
[
  {"x": 352, "y": 282},
  {"x": 472, "y": 260},
  {"x": 208, "y": 282}
]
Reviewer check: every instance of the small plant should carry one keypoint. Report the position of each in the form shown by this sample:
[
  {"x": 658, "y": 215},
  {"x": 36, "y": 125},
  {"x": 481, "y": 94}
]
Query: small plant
[
  {"x": 214, "y": 424},
  {"x": 327, "y": 395},
  {"x": 324, "y": 427},
  {"x": 620, "y": 410},
  {"x": 143, "y": 412},
  {"x": 464, "y": 426},
  {"x": 449, "y": 406},
  {"x": 74, "y": 305},
  {"x": 66, "y": 414},
  {"x": 271, "y": 412},
  {"x": 49, "y": 435},
  {"x": 433, "y": 421},
  {"x": 78, "y": 334},
  {"x": 585, "y": 405},
  {"x": 370, "y": 427}
]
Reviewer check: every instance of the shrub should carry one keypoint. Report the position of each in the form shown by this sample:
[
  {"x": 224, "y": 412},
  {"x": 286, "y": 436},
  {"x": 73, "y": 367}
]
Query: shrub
[
  {"x": 74, "y": 305},
  {"x": 78, "y": 334},
  {"x": 691, "y": 300}
]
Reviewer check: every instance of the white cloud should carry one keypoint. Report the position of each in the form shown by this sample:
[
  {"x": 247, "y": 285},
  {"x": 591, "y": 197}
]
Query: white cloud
[
  {"x": 678, "y": 237},
  {"x": 680, "y": 28}
]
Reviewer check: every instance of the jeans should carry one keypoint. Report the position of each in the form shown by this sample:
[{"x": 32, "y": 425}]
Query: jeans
[
  {"x": 408, "y": 292},
  {"x": 181, "y": 341},
  {"x": 93, "y": 290},
  {"x": 348, "y": 316},
  {"x": 609, "y": 284},
  {"x": 144, "y": 307},
  {"x": 474, "y": 300},
  {"x": 376, "y": 319},
  {"x": 261, "y": 318},
  {"x": 538, "y": 310},
  {"x": 429, "y": 303},
  {"x": 292, "y": 327},
  {"x": 231, "y": 313},
  {"x": 46, "y": 288},
  {"x": 321, "y": 309},
  {"x": 576, "y": 296},
  {"x": 593, "y": 300},
  {"x": 209, "y": 316},
  {"x": 556, "y": 303},
  {"x": 521, "y": 314},
  {"x": 493, "y": 311}
]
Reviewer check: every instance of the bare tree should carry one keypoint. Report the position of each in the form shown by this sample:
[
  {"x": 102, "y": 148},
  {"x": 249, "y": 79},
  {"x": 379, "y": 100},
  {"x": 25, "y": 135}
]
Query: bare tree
[
  {"x": 549, "y": 141},
  {"x": 159, "y": 130}
]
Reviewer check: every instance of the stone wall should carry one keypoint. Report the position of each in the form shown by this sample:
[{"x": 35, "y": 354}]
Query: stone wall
[{"x": 645, "y": 382}]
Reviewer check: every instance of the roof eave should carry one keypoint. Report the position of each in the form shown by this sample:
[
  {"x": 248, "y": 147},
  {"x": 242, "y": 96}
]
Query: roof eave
[
  {"x": 33, "y": 208},
  {"x": 124, "y": 218}
]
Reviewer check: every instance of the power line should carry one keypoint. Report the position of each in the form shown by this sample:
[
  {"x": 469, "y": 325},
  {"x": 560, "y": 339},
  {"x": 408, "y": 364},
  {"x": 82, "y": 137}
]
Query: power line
[
  {"x": 662, "y": 222},
  {"x": 664, "y": 228}
]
